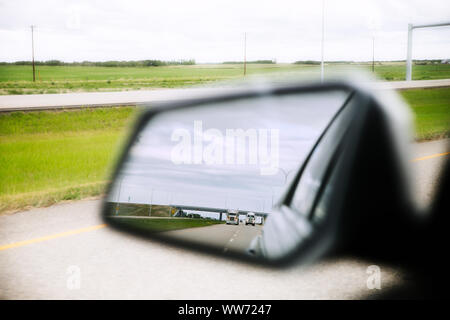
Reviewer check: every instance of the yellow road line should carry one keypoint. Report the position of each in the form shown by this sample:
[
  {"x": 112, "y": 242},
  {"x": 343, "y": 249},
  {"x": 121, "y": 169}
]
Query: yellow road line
[
  {"x": 50, "y": 237},
  {"x": 431, "y": 156},
  {"x": 92, "y": 228}
]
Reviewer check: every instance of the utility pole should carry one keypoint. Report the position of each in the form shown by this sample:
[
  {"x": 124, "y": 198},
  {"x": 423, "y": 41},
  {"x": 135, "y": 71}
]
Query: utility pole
[
  {"x": 245, "y": 53},
  {"x": 373, "y": 54},
  {"x": 323, "y": 36},
  {"x": 170, "y": 208},
  {"x": 118, "y": 196},
  {"x": 409, "y": 53},
  {"x": 32, "y": 51},
  {"x": 151, "y": 202},
  {"x": 286, "y": 174}
]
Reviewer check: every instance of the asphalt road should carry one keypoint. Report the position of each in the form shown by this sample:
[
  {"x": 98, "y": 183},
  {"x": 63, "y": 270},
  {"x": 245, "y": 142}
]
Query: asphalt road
[
  {"x": 45, "y": 251},
  {"x": 228, "y": 238},
  {"x": 74, "y": 100}
]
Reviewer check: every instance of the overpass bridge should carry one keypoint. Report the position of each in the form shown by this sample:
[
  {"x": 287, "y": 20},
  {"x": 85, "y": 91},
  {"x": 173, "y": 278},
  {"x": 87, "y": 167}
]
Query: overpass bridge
[{"x": 220, "y": 211}]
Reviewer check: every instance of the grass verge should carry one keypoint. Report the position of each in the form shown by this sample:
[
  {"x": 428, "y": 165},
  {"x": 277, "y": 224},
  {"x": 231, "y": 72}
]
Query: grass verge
[
  {"x": 168, "y": 224},
  {"x": 47, "y": 197},
  {"x": 432, "y": 112},
  {"x": 51, "y": 156}
]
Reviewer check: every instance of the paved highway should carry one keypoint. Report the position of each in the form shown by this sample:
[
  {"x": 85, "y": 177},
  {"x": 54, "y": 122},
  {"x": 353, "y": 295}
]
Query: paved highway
[
  {"x": 76, "y": 100},
  {"x": 99, "y": 99},
  {"x": 45, "y": 251},
  {"x": 228, "y": 238}
]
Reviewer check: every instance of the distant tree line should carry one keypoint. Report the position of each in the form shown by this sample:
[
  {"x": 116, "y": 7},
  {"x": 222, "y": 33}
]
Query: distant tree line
[
  {"x": 139, "y": 63},
  {"x": 417, "y": 62},
  {"x": 158, "y": 63},
  {"x": 314, "y": 62},
  {"x": 307, "y": 62},
  {"x": 420, "y": 61},
  {"x": 251, "y": 62}
]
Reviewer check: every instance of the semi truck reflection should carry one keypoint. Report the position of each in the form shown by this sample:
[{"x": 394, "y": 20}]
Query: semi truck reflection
[{"x": 215, "y": 227}]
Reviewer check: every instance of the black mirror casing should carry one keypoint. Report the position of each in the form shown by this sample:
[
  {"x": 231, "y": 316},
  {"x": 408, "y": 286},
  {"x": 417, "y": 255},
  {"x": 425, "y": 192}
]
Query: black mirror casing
[{"x": 365, "y": 191}]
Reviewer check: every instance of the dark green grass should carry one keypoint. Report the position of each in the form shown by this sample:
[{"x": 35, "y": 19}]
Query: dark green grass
[
  {"x": 15, "y": 79},
  {"x": 47, "y": 156},
  {"x": 77, "y": 120},
  {"x": 161, "y": 224},
  {"x": 432, "y": 112},
  {"x": 136, "y": 209}
]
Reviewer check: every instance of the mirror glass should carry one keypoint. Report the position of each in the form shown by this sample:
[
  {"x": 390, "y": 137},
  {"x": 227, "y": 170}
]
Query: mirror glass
[{"x": 213, "y": 174}]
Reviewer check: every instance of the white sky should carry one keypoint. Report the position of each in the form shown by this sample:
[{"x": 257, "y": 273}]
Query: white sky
[
  {"x": 212, "y": 30},
  {"x": 149, "y": 174}
]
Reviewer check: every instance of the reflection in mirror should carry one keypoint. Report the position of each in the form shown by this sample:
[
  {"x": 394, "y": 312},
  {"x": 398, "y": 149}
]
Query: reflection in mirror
[{"x": 213, "y": 174}]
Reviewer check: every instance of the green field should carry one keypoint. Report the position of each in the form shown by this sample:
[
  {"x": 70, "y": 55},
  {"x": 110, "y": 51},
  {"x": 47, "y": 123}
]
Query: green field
[
  {"x": 49, "y": 156},
  {"x": 46, "y": 157},
  {"x": 160, "y": 225},
  {"x": 137, "y": 209},
  {"x": 432, "y": 112},
  {"x": 16, "y": 79}
]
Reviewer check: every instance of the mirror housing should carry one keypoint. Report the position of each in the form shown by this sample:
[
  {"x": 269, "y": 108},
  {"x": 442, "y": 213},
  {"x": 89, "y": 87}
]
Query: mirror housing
[
  {"x": 362, "y": 162},
  {"x": 367, "y": 192}
]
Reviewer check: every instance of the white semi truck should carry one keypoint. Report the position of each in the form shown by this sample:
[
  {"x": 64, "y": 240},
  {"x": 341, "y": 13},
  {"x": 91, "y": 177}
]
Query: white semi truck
[{"x": 232, "y": 217}]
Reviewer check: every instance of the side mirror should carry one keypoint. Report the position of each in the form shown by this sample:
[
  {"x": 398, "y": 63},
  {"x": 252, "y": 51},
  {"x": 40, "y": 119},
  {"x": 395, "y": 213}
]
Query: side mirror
[{"x": 268, "y": 175}]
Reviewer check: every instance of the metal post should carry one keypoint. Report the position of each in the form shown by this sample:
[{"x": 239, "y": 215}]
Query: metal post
[
  {"x": 409, "y": 53},
  {"x": 32, "y": 52},
  {"x": 373, "y": 54},
  {"x": 151, "y": 202},
  {"x": 245, "y": 53},
  {"x": 170, "y": 208},
  {"x": 323, "y": 35},
  {"x": 118, "y": 196},
  {"x": 411, "y": 27},
  {"x": 286, "y": 174}
]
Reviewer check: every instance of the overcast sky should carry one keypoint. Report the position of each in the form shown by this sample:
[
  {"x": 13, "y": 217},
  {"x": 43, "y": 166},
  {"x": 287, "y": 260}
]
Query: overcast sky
[
  {"x": 213, "y": 30},
  {"x": 150, "y": 174}
]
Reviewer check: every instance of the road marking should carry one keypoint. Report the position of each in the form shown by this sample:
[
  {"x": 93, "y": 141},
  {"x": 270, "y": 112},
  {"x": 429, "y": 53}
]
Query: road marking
[
  {"x": 431, "y": 156},
  {"x": 92, "y": 228},
  {"x": 50, "y": 237}
]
